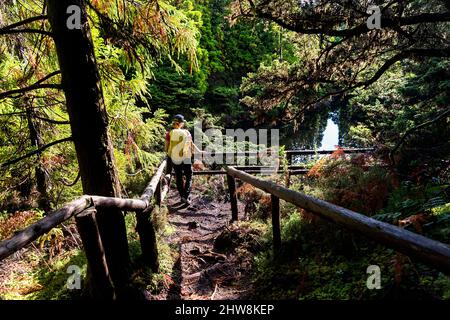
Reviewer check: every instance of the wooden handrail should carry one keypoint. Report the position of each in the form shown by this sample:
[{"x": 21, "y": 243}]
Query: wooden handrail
[
  {"x": 427, "y": 250},
  {"x": 293, "y": 152},
  {"x": 34, "y": 231},
  {"x": 31, "y": 233},
  {"x": 258, "y": 171},
  {"x": 55, "y": 218},
  {"x": 149, "y": 192},
  {"x": 345, "y": 150}
]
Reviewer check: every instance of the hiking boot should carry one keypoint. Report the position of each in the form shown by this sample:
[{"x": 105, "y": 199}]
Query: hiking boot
[{"x": 186, "y": 201}]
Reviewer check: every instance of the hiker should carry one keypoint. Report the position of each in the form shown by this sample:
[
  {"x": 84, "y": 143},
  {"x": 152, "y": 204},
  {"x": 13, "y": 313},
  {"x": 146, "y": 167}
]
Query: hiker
[{"x": 179, "y": 148}]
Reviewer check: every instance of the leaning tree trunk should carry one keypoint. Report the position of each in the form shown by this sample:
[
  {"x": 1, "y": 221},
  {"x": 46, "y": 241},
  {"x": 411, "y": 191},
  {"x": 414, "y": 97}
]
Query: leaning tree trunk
[
  {"x": 89, "y": 124},
  {"x": 40, "y": 173}
]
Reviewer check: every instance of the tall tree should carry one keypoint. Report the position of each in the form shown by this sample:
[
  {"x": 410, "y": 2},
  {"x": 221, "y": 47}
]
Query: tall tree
[
  {"x": 37, "y": 141},
  {"x": 89, "y": 123}
]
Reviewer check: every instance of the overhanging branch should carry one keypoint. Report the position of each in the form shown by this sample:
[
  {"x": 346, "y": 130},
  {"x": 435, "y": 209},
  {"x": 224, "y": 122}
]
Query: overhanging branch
[
  {"x": 48, "y": 77},
  {"x": 52, "y": 120},
  {"x": 385, "y": 67},
  {"x": 9, "y": 114},
  {"x": 410, "y": 131},
  {"x": 26, "y": 30},
  {"x": 23, "y": 22},
  {"x": 403, "y": 55},
  {"x": 23, "y": 113},
  {"x": 323, "y": 29},
  {"x": 39, "y": 150},
  {"x": 35, "y": 86}
]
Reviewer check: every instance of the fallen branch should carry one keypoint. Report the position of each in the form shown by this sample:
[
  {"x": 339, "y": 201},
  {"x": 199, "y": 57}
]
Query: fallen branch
[{"x": 211, "y": 273}]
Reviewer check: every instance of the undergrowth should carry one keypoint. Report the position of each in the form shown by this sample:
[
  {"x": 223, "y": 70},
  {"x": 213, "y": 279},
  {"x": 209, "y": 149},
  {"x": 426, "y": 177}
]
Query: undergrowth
[
  {"x": 40, "y": 271},
  {"x": 320, "y": 260}
]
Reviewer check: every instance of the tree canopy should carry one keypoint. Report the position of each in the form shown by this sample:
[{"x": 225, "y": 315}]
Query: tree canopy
[{"x": 337, "y": 52}]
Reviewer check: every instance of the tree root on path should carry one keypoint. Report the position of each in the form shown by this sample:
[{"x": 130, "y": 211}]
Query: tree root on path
[{"x": 220, "y": 271}]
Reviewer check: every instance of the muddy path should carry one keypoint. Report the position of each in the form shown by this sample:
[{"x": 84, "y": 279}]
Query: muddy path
[{"x": 205, "y": 269}]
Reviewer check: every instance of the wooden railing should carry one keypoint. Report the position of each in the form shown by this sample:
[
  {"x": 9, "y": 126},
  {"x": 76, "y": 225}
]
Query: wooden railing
[
  {"x": 431, "y": 252},
  {"x": 84, "y": 211},
  {"x": 141, "y": 206}
]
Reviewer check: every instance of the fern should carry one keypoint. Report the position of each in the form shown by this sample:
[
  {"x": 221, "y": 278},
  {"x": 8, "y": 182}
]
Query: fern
[
  {"x": 434, "y": 203},
  {"x": 388, "y": 217}
]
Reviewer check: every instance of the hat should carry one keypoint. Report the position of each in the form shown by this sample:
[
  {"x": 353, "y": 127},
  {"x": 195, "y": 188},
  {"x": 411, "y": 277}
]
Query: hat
[{"x": 179, "y": 118}]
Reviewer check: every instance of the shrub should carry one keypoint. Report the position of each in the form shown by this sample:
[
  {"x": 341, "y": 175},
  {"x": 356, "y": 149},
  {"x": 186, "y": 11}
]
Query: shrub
[
  {"x": 358, "y": 183},
  {"x": 257, "y": 204},
  {"x": 16, "y": 222}
]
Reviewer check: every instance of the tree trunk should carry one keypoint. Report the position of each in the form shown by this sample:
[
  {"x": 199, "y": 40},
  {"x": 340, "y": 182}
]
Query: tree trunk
[
  {"x": 89, "y": 124},
  {"x": 100, "y": 281},
  {"x": 40, "y": 173}
]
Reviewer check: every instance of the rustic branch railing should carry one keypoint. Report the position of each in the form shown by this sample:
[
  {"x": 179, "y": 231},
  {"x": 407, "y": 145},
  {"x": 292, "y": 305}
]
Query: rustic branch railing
[
  {"x": 83, "y": 209},
  {"x": 257, "y": 170},
  {"x": 142, "y": 206},
  {"x": 291, "y": 169},
  {"x": 289, "y": 154},
  {"x": 34, "y": 231},
  {"x": 431, "y": 252},
  {"x": 294, "y": 152},
  {"x": 312, "y": 152}
]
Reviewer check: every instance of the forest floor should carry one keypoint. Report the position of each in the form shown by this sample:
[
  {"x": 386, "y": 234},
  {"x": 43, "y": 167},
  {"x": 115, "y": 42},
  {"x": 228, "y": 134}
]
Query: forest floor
[{"x": 212, "y": 262}]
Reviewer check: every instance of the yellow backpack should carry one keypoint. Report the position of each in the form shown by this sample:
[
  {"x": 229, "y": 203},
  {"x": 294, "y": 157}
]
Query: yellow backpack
[{"x": 179, "y": 145}]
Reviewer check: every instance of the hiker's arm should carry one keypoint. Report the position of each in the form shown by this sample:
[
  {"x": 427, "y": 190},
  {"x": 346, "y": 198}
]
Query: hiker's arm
[
  {"x": 196, "y": 149},
  {"x": 166, "y": 146},
  {"x": 167, "y": 142}
]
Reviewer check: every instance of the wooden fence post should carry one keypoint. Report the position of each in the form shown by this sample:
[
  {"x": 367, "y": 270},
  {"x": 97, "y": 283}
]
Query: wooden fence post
[
  {"x": 276, "y": 223},
  {"x": 288, "y": 178},
  {"x": 233, "y": 197},
  {"x": 289, "y": 158},
  {"x": 147, "y": 237},
  {"x": 99, "y": 281},
  {"x": 166, "y": 187}
]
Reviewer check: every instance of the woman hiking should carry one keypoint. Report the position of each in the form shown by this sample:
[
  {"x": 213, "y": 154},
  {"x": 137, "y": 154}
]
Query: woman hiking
[{"x": 179, "y": 148}]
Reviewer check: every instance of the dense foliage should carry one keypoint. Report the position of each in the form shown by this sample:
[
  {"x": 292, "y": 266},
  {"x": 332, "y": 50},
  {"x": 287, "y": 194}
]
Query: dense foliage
[{"x": 284, "y": 64}]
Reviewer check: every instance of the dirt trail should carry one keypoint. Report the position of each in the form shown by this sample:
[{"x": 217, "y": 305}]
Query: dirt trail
[{"x": 200, "y": 271}]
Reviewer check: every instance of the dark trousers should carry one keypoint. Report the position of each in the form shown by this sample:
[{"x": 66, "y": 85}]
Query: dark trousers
[
  {"x": 169, "y": 166},
  {"x": 183, "y": 170}
]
